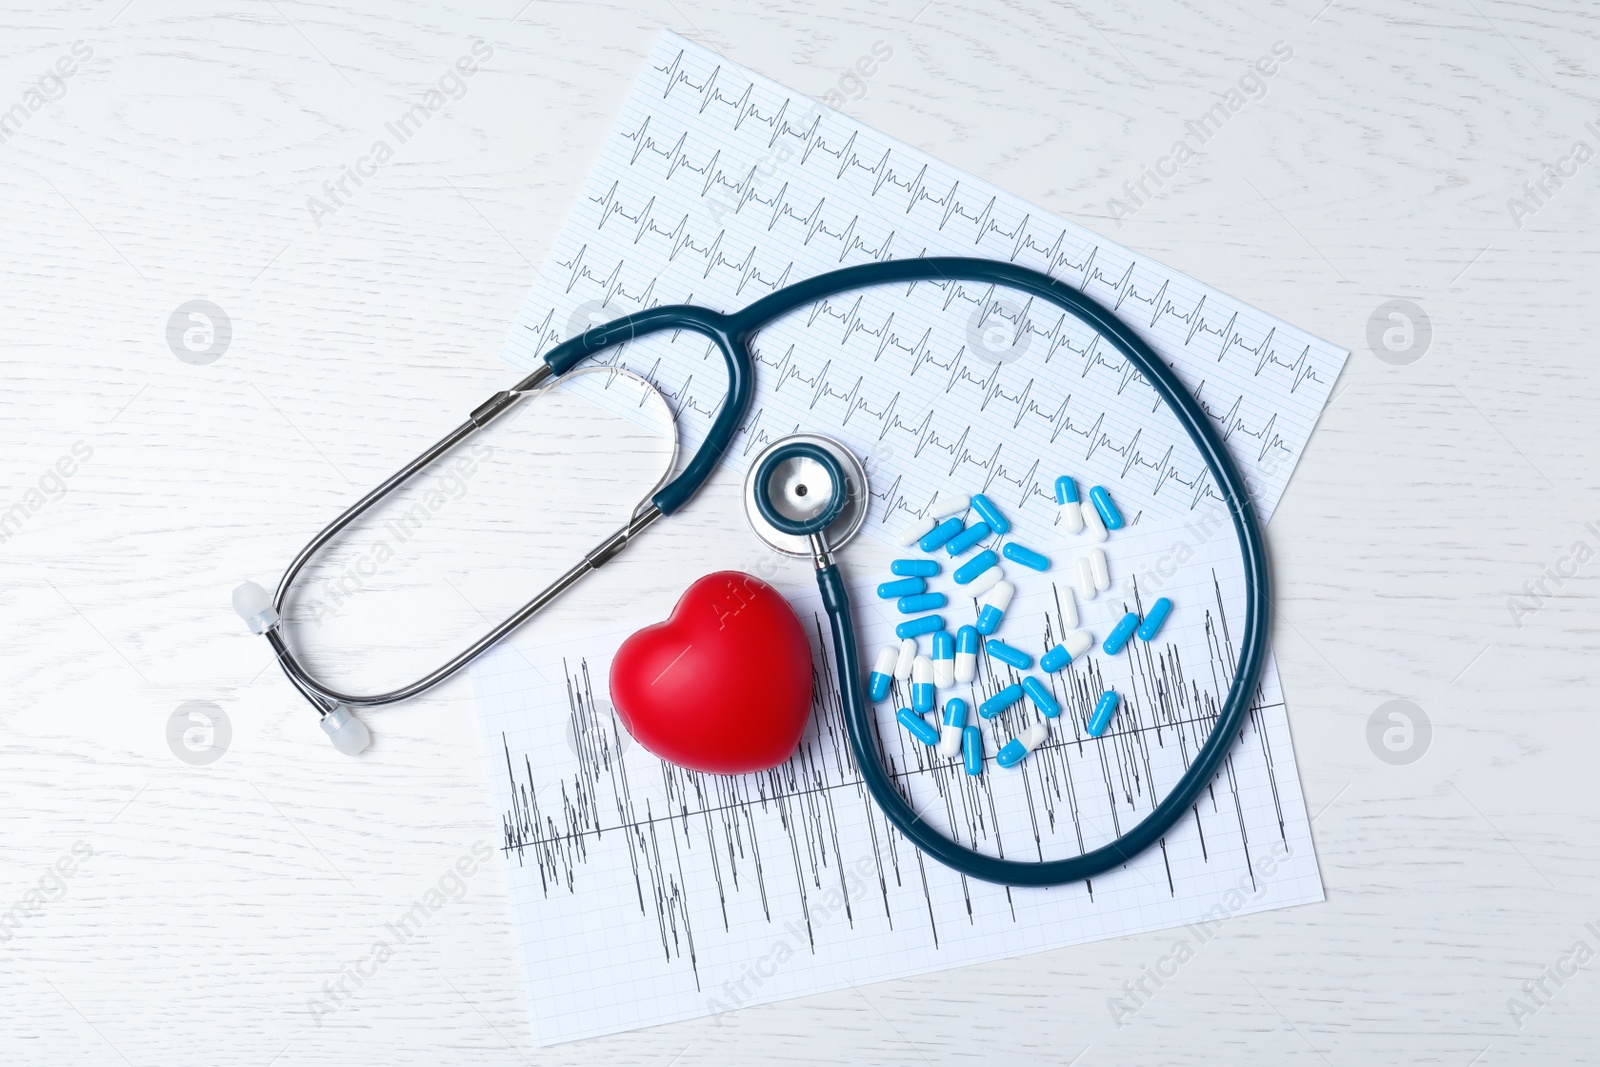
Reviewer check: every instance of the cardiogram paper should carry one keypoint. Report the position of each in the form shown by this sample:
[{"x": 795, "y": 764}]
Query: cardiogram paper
[{"x": 643, "y": 893}]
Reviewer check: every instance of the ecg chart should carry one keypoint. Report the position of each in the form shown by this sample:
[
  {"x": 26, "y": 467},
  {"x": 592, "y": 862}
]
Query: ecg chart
[
  {"x": 717, "y": 186},
  {"x": 645, "y": 893}
]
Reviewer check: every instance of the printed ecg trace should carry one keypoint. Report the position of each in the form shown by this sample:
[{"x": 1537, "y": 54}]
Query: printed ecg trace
[
  {"x": 717, "y": 186},
  {"x": 624, "y": 864},
  {"x": 715, "y": 828}
]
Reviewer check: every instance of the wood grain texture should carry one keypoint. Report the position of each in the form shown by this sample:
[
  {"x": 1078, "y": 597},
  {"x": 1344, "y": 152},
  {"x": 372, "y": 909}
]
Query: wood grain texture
[{"x": 218, "y": 900}]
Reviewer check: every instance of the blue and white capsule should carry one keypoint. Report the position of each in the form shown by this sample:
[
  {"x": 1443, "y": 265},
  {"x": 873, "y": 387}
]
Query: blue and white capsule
[
  {"x": 967, "y": 538},
  {"x": 940, "y": 534},
  {"x": 1017, "y": 749},
  {"x": 995, "y": 603},
  {"x": 922, "y": 698},
  {"x": 1106, "y": 507},
  {"x": 923, "y": 624},
  {"x": 915, "y": 605},
  {"x": 1026, "y": 556},
  {"x": 882, "y": 675},
  {"x": 1000, "y": 701},
  {"x": 1120, "y": 633},
  {"x": 944, "y": 659},
  {"x": 914, "y": 568},
  {"x": 1103, "y": 710},
  {"x": 967, "y": 640},
  {"x": 984, "y": 582},
  {"x": 1039, "y": 693},
  {"x": 990, "y": 514},
  {"x": 901, "y": 587},
  {"x": 1007, "y": 654},
  {"x": 972, "y": 750},
  {"x": 917, "y": 726},
  {"x": 1073, "y": 646},
  {"x": 975, "y": 566},
  {"x": 1094, "y": 528},
  {"x": 1068, "y": 505},
  {"x": 1154, "y": 618},
  {"x": 952, "y": 726}
]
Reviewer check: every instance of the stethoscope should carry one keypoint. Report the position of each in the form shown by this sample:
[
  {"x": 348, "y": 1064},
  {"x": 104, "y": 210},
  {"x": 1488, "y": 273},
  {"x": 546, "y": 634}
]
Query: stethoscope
[{"x": 806, "y": 495}]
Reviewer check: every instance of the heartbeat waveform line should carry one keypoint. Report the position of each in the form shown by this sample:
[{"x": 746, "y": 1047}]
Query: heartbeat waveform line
[
  {"x": 1122, "y": 285},
  {"x": 645, "y": 229},
  {"x": 704, "y": 848},
  {"x": 853, "y": 197},
  {"x": 1094, "y": 436}
]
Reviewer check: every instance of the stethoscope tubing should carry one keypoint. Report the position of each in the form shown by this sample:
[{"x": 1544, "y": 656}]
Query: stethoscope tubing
[
  {"x": 732, "y": 334},
  {"x": 859, "y": 720}
]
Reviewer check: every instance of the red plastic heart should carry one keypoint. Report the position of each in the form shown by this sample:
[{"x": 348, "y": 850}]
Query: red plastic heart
[{"x": 724, "y": 685}]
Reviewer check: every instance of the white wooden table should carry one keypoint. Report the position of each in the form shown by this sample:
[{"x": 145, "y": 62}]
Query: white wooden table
[{"x": 207, "y": 906}]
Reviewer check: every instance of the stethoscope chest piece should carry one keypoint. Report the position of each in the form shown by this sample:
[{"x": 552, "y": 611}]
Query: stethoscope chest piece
[{"x": 799, "y": 488}]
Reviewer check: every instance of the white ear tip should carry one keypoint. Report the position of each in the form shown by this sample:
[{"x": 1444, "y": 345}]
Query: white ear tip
[
  {"x": 348, "y": 733},
  {"x": 254, "y": 606}
]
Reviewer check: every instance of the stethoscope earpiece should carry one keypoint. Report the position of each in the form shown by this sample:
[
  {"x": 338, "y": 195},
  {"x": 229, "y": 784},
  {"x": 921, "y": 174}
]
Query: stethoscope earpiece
[{"x": 348, "y": 733}]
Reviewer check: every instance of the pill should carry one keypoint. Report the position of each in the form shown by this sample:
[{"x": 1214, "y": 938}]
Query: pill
[
  {"x": 975, "y": 566},
  {"x": 911, "y": 605},
  {"x": 1000, "y": 701},
  {"x": 972, "y": 750},
  {"x": 966, "y": 654},
  {"x": 1067, "y": 505},
  {"x": 1026, "y": 556},
  {"x": 990, "y": 514},
  {"x": 882, "y": 673},
  {"x": 1017, "y": 749},
  {"x": 922, "y": 685},
  {"x": 985, "y": 581},
  {"x": 1083, "y": 574},
  {"x": 1120, "y": 633},
  {"x": 1098, "y": 568},
  {"x": 952, "y": 726},
  {"x": 1041, "y": 697},
  {"x": 939, "y": 534},
  {"x": 917, "y": 726},
  {"x": 1068, "y": 609},
  {"x": 1076, "y": 644},
  {"x": 1006, "y": 654},
  {"x": 967, "y": 538},
  {"x": 908, "y": 653},
  {"x": 946, "y": 506},
  {"x": 914, "y": 568},
  {"x": 944, "y": 659},
  {"x": 1154, "y": 618},
  {"x": 994, "y": 607},
  {"x": 912, "y": 531},
  {"x": 1035, "y": 735},
  {"x": 1106, "y": 507},
  {"x": 1093, "y": 528},
  {"x": 925, "y": 624},
  {"x": 1103, "y": 710},
  {"x": 901, "y": 587}
]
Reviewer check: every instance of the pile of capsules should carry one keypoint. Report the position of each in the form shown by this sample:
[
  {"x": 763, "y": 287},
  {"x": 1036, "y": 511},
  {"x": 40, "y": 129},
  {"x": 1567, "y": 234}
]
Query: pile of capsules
[{"x": 954, "y": 659}]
